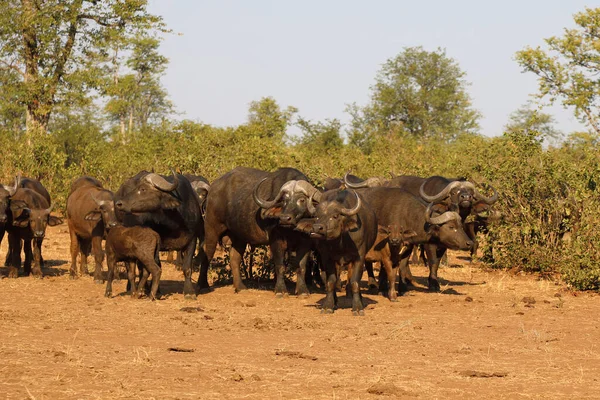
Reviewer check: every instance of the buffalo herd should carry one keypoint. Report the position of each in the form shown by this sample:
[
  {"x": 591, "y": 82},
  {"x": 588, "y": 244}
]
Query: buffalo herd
[{"x": 349, "y": 222}]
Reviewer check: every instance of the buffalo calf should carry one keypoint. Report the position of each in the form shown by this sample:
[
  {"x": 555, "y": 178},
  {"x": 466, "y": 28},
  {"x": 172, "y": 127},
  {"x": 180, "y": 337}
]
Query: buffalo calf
[{"x": 134, "y": 244}]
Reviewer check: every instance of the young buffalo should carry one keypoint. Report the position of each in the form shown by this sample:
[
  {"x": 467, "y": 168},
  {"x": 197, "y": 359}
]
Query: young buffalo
[{"x": 136, "y": 243}]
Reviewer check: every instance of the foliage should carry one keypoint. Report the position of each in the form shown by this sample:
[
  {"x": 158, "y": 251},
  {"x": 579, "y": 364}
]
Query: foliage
[
  {"x": 569, "y": 69},
  {"x": 528, "y": 118},
  {"x": 420, "y": 93}
]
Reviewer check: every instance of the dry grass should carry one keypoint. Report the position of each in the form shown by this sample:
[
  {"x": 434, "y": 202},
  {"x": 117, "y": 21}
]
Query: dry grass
[{"x": 63, "y": 339}]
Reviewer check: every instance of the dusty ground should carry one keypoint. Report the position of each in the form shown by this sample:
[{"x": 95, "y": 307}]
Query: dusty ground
[{"x": 477, "y": 339}]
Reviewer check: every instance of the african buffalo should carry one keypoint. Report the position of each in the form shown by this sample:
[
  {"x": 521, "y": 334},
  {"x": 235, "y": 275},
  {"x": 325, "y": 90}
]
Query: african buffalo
[
  {"x": 30, "y": 213},
  {"x": 6, "y": 192},
  {"x": 170, "y": 207},
  {"x": 345, "y": 227},
  {"x": 89, "y": 208},
  {"x": 134, "y": 244},
  {"x": 256, "y": 207},
  {"x": 436, "y": 227}
]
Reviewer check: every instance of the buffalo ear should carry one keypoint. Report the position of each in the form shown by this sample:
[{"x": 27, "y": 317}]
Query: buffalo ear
[
  {"x": 351, "y": 223},
  {"x": 21, "y": 223},
  {"x": 93, "y": 216},
  {"x": 408, "y": 233},
  {"x": 272, "y": 212},
  {"x": 383, "y": 230},
  {"x": 53, "y": 221},
  {"x": 305, "y": 225},
  {"x": 170, "y": 203}
]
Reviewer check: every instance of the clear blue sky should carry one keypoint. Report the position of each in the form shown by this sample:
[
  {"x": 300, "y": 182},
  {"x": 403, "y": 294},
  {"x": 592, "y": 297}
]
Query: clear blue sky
[{"x": 321, "y": 55}]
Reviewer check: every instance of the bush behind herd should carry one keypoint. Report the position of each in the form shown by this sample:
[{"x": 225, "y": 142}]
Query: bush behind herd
[{"x": 549, "y": 196}]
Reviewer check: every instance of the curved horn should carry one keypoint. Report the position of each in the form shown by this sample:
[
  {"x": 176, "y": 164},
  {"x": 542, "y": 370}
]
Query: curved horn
[
  {"x": 264, "y": 203},
  {"x": 441, "y": 195},
  {"x": 200, "y": 185},
  {"x": 48, "y": 210},
  {"x": 487, "y": 200},
  {"x": 440, "y": 219},
  {"x": 309, "y": 206},
  {"x": 13, "y": 189},
  {"x": 308, "y": 189},
  {"x": 352, "y": 211},
  {"x": 358, "y": 185},
  {"x": 98, "y": 202},
  {"x": 161, "y": 183}
]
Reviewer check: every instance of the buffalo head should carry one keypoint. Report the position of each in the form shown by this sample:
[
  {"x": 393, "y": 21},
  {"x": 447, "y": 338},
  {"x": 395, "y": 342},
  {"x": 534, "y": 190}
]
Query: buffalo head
[
  {"x": 105, "y": 210},
  {"x": 36, "y": 219},
  {"x": 332, "y": 218},
  {"x": 291, "y": 202},
  {"x": 201, "y": 188},
  {"x": 447, "y": 227},
  {"x": 152, "y": 192},
  {"x": 395, "y": 234},
  {"x": 459, "y": 193}
]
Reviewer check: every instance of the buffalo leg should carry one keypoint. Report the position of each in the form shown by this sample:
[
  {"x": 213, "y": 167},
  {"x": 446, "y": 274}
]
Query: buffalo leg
[
  {"x": 331, "y": 296},
  {"x": 210, "y": 246},
  {"x": 74, "y": 250},
  {"x": 145, "y": 272},
  {"x": 370, "y": 274},
  {"x": 235, "y": 259},
  {"x": 98, "y": 258},
  {"x": 300, "y": 261},
  {"x": 434, "y": 254},
  {"x": 155, "y": 270},
  {"x": 391, "y": 273},
  {"x": 28, "y": 257},
  {"x": 37, "y": 257},
  {"x": 188, "y": 255},
  {"x": 204, "y": 261},
  {"x": 354, "y": 281},
  {"x": 84, "y": 246},
  {"x": 278, "y": 249},
  {"x": 405, "y": 273},
  {"x": 14, "y": 243},
  {"x": 111, "y": 263},
  {"x": 131, "y": 272}
]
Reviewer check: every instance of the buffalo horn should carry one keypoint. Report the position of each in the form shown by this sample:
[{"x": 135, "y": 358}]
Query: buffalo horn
[
  {"x": 487, "y": 200},
  {"x": 307, "y": 189},
  {"x": 309, "y": 206},
  {"x": 98, "y": 202},
  {"x": 161, "y": 183},
  {"x": 440, "y": 219},
  {"x": 441, "y": 195},
  {"x": 265, "y": 203},
  {"x": 352, "y": 211},
  {"x": 358, "y": 185},
  {"x": 200, "y": 185}
]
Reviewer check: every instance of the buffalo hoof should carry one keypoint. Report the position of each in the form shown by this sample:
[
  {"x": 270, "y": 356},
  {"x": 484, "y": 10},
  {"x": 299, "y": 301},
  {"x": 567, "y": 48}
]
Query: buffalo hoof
[
  {"x": 13, "y": 274},
  {"x": 240, "y": 288},
  {"x": 189, "y": 296},
  {"x": 359, "y": 313},
  {"x": 304, "y": 295},
  {"x": 73, "y": 277},
  {"x": 98, "y": 281},
  {"x": 326, "y": 311},
  {"x": 372, "y": 283},
  {"x": 394, "y": 299},
  {"x": 434, "y": 285},
  {"x": 204, "y": 290},
  {"x": 107, "y": 294}
]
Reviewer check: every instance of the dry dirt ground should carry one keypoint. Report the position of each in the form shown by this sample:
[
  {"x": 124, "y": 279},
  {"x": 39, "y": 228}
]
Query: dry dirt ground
[{"x": 487, "y": 335}]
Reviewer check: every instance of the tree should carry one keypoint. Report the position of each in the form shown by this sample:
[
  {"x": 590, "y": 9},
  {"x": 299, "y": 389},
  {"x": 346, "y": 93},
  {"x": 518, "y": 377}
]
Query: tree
[
  {"x": 138, "y": 97},
  {"x": 569, "y": 69},
  {"x": 526, "y": 118},
  {"x": 49, "y": 44},
  {"x": 267, "y": 120},
  {"x": 323, "y": 135},
  {"x": 419, "y": 93}
]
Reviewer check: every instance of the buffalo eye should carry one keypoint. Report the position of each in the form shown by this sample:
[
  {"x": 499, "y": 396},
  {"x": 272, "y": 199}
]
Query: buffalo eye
[{"x": 301, "y": 201}]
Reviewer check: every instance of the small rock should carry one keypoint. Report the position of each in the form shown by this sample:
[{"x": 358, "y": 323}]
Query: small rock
[
  {"x": 255, "y": 378},
  {"x": 251, "y": 303},
  {"x": 238, "y": 303},
  {"x": 237, "y": 377},
  {"x": 208, "y": 317},
  {"x": 557, "y": 294},
  {"x": 520, "y": 313},
  {"x": 528, "y": 300},
  {"x": 468, "y": 299},
  {"x": 191, "y": 309},
  {"x": 547, "y": 301}
]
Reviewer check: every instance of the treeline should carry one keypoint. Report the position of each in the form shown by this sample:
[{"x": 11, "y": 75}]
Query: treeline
[{"x": 549, "y": 196}]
